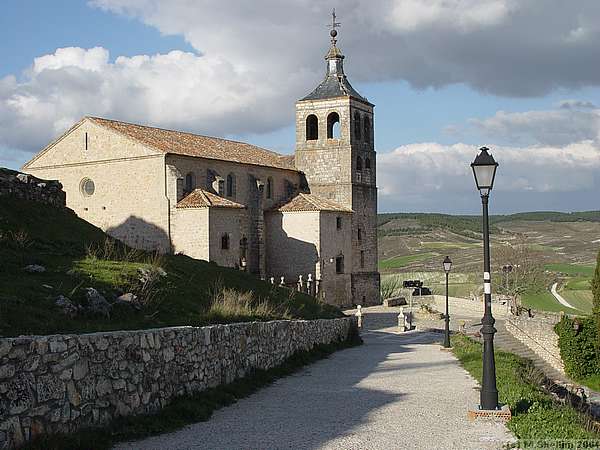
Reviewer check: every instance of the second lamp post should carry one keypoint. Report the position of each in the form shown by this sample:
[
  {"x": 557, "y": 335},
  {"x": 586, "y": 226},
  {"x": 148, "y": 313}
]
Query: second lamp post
[{"x": 447, "y": 266}]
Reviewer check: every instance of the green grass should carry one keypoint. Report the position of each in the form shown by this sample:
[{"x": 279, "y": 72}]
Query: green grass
[
  {"x": 592, "y": 382},
  {"x": 578, "y": 284},
  {"x": 571, "y": 269},
  {"x": 450, "y": 245},
  {"x": 398, "y": 262},
  {"x": 545, "y": 301},
  {"x": 580, "y": 299},
  {"x": 536, "y": 417},
  {"x": 187, "y": 409},
  {"x": 32, "y": 233}
]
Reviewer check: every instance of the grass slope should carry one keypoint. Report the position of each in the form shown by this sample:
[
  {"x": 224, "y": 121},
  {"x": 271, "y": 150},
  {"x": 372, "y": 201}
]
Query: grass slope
[
  {"x": 537, "y": 420},
  {"x": 33, "y": 233}
]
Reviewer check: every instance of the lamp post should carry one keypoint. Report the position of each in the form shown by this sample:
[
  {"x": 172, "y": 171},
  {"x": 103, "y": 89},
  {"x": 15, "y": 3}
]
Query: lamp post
[
  {"x": 447, "y": 266},
  {"x": 484, "y": 170}
]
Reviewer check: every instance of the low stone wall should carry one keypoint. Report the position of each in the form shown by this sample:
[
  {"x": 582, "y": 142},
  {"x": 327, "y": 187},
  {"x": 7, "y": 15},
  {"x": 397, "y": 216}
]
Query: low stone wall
[
  {"x": 538, "y": 334},
  {"x": 28, "y": 187},
  {"x": 62, "y": 383}
]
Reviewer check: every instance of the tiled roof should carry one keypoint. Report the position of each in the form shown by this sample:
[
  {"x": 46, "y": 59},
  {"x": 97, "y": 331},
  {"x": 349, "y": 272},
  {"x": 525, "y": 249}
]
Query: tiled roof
[
  {"x": 200, "y": 198},
  {"x": 188, "y": 144},
  {"x": 310, "y": 202}
]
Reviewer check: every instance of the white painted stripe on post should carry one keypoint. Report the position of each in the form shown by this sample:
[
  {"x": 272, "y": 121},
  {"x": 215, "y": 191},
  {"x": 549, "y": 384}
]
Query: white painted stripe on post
[
  {"x": 486, "y": 276},
  {"x": 487, "y": 288}
]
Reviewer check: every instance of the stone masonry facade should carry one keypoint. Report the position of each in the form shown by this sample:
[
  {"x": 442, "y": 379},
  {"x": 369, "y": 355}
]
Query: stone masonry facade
[
  {"x": 63, "y": 383},
  {"x": 538, "y": 334}
]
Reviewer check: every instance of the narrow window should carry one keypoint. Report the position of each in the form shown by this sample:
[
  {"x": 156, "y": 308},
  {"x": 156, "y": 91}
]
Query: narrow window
[
  {"x": 359, "y": 163},
  {"x": 190, "y": 182},
  {"x": 312, "y": 128},
  {"x": 225, "y": 241},
  {"x": 338, "y": 223},
  {"x": 359, "y": 234},
  {"x": 333, "y": 126},
  {"x": 362, "y": 259},
  {"x": 220, "y": 186},
  {"x": 367, "y": 125},
  {"x": 269, "y": 187},
  {"x": 368, "y": 163},
  {"x": 357, "y": 128},
  {"x": 339, "y": 264},
  {"x": 86, "y": 141},
  {"x": 230, "y": 185}
]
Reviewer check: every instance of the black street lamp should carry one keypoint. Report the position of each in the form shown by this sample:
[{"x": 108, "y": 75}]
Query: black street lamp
[
  {"x": 484, "y": 169},
  {"x": 447, "y": 266}
]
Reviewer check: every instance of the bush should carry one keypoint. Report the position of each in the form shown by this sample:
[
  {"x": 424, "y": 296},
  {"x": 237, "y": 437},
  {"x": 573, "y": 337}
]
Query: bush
[
  {"x": 578, "y": 349},
  {"x": 596, "y": 300}
]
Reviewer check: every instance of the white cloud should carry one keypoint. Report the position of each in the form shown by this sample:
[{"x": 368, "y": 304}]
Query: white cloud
[
  {"x": 552, "y": 127},
  {"x": 178, "y": 89},
  {"x": 430, "y": 176}
]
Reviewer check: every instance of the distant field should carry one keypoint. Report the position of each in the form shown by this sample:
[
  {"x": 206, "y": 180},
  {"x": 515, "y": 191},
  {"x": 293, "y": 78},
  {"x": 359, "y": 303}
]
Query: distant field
[
  {"x": 454, "y": 245},
  {"x": 571, "y": 269},
  {"x": 545, "y": 301},
  {"x": 398, "y": 262},
  {"x": 580, "y": 299}
]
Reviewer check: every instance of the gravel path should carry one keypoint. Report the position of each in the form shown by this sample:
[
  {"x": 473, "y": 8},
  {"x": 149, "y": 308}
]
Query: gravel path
[{"x": 393, "y": 392}]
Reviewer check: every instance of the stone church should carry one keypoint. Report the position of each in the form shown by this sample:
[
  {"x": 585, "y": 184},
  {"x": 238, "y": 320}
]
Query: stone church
[{"x": 233, "y": 203}]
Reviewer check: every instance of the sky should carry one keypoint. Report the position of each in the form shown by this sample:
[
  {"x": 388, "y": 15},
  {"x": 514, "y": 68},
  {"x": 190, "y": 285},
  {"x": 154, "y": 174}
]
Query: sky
[{"x": 446, "y": 76}]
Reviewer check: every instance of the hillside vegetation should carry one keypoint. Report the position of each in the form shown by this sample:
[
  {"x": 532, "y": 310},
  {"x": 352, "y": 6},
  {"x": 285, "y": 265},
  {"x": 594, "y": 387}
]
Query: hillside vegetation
[{"x": 169, "y": 290}]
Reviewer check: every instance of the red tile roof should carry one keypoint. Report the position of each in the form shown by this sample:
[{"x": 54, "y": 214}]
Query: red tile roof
[
  {"x": 200, "y": 198},
  {"x": 310, "y": 202},
  {"x": 188, "y": 144}
]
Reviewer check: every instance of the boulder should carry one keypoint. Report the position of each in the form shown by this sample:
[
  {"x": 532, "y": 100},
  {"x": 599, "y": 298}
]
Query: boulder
[
  {"x": 34, "y": 268},
  {"x": 97, "y": 304},
  {"x": 66, "y": 306},
  {"x": 128, "y": 299}
]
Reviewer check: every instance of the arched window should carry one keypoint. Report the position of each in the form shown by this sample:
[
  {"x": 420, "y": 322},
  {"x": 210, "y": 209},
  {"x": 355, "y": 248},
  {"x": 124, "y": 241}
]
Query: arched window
[
  {"x": 225, "y": 241},
  {"x": 230, "y": 185},
  {"x": 269, "y": 187},
  {"x": 368, "y": 163},
  {"x": 190, "y": 182},
  {"x": 357, "y": 128},
  {"x": 312, "y": 128},
  {"x": 358, "y": 163},
  {"x": 333, "y": 126},
  {"x": 367, "y": 125}
]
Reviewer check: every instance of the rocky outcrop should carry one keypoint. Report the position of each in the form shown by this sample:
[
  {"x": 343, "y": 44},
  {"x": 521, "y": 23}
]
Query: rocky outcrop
[
  {"x": 63, "y": 383},
  {"x": 28, "y": 187}
]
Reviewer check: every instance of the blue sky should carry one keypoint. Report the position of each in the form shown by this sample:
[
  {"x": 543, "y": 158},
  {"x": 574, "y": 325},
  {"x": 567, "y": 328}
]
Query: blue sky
[{"x": 442, "y": 84}]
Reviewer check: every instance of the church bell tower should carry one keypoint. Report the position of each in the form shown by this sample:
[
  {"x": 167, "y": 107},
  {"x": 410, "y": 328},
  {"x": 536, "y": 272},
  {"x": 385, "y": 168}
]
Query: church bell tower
[{"x": 336, "y": 152}]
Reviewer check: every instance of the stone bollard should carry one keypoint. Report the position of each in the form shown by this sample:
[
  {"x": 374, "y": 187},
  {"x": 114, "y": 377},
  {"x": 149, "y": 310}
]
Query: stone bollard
[
  {"x": 404, "y": 320},
  {"x": 309, "y": 285},
  {"x": 300, "y": 283},
  {"x": 272, "y": 279},
  {"x": 282, "y": 282},
  {"x": 359, "y": 315}
]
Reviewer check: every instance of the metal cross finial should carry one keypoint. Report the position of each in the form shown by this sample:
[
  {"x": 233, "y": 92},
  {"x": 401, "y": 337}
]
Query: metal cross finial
[{"x": 334, "y": 25}]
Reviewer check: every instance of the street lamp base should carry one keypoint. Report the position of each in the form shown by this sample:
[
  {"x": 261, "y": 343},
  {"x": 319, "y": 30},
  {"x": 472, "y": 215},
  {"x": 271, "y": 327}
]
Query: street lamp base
[{"x": 497, "y": 415}]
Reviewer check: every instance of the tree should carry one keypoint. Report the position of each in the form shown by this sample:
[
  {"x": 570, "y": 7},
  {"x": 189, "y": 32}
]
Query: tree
[{"x": 528, "y": 273}]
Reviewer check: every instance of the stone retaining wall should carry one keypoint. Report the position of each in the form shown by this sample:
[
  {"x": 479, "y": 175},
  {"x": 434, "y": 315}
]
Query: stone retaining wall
[
  {"x": 62, "y": 383},
  {"x": 538, "y": 334},
  {"x": 28, "y": 187}
]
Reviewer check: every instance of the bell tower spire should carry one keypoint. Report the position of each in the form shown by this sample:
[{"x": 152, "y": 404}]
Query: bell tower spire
[{"x": 335, "y": 150}]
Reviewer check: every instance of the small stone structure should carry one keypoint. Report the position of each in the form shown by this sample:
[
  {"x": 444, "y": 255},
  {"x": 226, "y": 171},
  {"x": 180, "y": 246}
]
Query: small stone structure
[
  {"x": 63, "y": 383},
  {"x": 394, "y": 301},
  {"x": 538, "y": 334},
  {"x": 28, "y": 187}
]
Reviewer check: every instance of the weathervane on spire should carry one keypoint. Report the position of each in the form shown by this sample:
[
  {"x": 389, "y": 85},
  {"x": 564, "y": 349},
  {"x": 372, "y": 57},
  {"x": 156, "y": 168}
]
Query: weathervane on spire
[{"x": 334, "y": 25}]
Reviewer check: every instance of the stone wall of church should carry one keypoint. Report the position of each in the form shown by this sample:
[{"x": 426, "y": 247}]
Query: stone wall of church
[
  {"x": 189, "y": 232},
  {"x": 225, "y": 221},
  {"x": 336, "y": 287},
  {"x": 293, "y": 244},
  {"x": 63, "y": 383},
  {"x": 128, "y": 199}
]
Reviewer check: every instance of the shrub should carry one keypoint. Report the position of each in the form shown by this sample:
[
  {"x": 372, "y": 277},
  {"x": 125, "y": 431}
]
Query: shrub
[
  {"x": 578, "y": 348},
  {"x": 596, "y": 300},
  {"x": 389, "y": 286}
]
